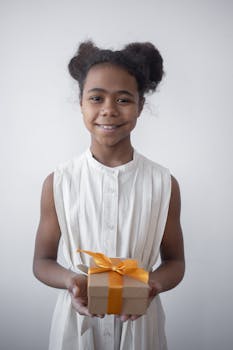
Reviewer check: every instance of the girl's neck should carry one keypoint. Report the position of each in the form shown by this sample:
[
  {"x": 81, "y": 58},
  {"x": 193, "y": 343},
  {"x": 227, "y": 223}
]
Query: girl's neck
[{"x": 112, "y": 156}]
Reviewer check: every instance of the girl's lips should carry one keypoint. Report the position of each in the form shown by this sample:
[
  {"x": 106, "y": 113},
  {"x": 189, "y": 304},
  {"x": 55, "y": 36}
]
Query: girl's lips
[{"x": 107, "y": 127}]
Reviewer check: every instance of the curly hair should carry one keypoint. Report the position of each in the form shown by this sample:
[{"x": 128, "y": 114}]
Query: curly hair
[{"x": 141, "y": 60}]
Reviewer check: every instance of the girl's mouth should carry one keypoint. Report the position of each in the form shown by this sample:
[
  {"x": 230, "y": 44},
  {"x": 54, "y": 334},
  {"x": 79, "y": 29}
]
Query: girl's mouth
[{"x": 108, "y": 127}]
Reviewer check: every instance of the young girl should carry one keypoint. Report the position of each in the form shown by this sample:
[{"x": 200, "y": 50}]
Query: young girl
[{"x": 113, "y": 200}]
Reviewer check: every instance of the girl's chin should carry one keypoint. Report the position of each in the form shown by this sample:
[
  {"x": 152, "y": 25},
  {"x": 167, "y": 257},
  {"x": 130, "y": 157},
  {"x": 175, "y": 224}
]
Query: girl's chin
[{"x": 108, "y": 141}]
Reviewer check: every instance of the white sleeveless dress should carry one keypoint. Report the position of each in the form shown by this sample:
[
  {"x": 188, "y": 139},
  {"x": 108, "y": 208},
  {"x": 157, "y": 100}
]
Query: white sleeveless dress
[{"x": 120, "y": 211}]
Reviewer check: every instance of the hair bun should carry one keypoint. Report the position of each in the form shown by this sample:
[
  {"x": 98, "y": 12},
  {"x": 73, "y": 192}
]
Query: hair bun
[
  {"x": 149, "y": 61},
  {"x": 77, "y": 63}
]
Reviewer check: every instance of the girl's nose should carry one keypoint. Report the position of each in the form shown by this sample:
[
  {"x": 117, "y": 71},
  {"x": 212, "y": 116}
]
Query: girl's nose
[{"x": 109, "y": 110}]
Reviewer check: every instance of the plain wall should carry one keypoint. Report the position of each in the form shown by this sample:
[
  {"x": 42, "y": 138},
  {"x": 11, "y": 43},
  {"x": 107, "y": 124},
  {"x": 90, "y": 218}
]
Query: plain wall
[{"x": 186, "y": 126}]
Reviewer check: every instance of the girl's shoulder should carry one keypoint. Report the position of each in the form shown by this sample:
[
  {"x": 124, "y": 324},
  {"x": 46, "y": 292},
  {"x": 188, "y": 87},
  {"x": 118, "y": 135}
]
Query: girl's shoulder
[
  {"x": 70, "y": 165},
  {"x": 66, "y": 172},
  {"x": 152, "y": 165}
]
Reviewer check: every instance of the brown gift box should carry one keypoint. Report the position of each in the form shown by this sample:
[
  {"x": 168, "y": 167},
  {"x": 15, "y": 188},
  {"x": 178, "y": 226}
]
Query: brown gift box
[{"x": 134, "y": 294}]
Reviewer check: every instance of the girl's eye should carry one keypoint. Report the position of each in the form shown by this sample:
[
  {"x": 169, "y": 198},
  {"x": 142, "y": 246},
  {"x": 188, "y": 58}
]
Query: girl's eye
[
  {"x": 123, "y": 100},
  {"x": 95, "y": 98}
]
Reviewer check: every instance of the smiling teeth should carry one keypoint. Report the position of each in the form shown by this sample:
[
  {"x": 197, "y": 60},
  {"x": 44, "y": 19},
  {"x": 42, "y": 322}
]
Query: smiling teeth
[{"x": 108, "y": 127}]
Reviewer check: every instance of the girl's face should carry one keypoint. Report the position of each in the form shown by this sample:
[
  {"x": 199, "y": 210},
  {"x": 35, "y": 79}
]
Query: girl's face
[{"x": 110, "y": 105}]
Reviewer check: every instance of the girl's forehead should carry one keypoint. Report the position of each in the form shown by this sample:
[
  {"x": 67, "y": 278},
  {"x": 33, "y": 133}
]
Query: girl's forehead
[{"x": 106, "y": 75}]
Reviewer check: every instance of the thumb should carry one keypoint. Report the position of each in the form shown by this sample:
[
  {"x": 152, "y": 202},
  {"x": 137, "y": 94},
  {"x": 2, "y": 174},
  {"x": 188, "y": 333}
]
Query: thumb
[
  {"x": 78, "y": 287},
  {"x": 75, "y": 291}
]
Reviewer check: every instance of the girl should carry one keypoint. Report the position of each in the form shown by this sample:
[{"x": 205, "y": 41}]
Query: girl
[{"x": 113, "y": 200}]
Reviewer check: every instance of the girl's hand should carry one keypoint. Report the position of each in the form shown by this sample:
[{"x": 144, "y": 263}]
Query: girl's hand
[
  {"x": 155, "y": 286},
  {"x": 124, "y": 318},
  {"x": 155, "y": 289},
  {"x": 78, "y": 293}
]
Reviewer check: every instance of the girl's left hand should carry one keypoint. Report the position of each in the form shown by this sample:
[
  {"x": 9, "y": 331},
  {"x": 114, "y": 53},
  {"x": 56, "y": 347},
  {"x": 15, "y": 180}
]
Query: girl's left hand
[{"x": 155, "y": 289}]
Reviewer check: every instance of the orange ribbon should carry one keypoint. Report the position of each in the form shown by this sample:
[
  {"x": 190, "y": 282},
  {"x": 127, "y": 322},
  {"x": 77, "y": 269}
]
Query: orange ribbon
[{"x": 116, "y": 268}]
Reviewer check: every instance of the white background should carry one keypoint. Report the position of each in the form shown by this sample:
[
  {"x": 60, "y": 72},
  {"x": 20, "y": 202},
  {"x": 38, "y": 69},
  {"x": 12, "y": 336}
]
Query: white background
[{"x": 186, "y": 126}]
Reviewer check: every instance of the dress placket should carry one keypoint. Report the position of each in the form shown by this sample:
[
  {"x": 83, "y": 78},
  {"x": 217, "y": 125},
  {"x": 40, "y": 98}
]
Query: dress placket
[
  {"x": 110, "y": 212},
  {"x": 110, "y": 220}
]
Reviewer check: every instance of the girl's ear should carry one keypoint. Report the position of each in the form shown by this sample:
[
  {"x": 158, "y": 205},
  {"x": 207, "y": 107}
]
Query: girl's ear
[
  {"x": 81, "y": 106},
  {"x": 80, "y": 101},
  {"x": 141, "y": 104}
]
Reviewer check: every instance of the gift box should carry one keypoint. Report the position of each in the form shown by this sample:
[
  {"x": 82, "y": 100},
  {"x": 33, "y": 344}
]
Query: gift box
[{"x": 116, "y": 286}]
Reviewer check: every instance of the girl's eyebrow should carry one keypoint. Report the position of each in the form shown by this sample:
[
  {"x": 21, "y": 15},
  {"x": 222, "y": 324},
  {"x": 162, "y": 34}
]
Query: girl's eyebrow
[{"x": 125, "y": 92}]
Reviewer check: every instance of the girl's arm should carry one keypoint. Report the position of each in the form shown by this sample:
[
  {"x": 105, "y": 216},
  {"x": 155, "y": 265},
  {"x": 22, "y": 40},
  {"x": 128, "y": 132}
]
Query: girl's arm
[
  {"x": 171, "y": 271},
  {"x": 45, "y": 266}
]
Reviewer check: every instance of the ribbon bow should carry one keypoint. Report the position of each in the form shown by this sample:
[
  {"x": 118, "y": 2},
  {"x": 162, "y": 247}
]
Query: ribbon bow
[{"x": 127, "y": 267}]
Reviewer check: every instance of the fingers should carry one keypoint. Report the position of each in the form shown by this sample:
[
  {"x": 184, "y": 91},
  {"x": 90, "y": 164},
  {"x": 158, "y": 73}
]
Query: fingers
[
  {"x": 78, "y": 294},
  {"x": 134, "y": 317},
  {"x": 80, "y": 305},
  {"x": 83, "y": 310},
  {"x": 125, "y": 318}
]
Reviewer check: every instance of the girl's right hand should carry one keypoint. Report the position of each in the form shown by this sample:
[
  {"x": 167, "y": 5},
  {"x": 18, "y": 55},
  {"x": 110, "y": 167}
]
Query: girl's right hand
[{"x": 78, "y": 293}]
